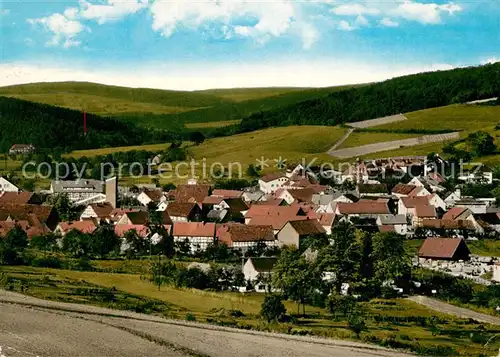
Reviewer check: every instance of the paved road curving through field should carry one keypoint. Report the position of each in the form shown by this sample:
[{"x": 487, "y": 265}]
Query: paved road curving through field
[{"x": 34, "y": 327}]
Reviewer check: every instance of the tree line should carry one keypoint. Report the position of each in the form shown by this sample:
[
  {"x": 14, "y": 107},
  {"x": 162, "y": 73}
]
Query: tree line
[
  {"x": 60, "y": 129},
  {"x": 398, "y": 95}
]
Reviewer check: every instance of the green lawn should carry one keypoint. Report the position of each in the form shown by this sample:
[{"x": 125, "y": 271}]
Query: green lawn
[
  {"x": 486, "y": 247},
  {"x": 396, "y": 323}
]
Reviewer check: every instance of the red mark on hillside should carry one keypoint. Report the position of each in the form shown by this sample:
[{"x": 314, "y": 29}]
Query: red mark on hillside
[{"x": 84, "y": 123}]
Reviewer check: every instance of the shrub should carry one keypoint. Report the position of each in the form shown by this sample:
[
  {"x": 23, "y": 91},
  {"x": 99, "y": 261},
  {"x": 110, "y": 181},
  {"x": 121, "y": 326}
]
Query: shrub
[
  {"x": 272, "y": 308},
  {"x": 190, "y": 317},
  {"x": 47, "y": 262},
  {"x": 356, "y": 323}
]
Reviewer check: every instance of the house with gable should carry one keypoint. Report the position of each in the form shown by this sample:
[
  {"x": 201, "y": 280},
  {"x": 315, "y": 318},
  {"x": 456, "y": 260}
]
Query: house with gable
[
  {"x": 197, "y": 234},
  {"x": 270, "y": 183},
  {"x": 7, "y": 186},
  {"x": 242, "y": 237},
  {"x": 184, "y": 211},
  {"x": 98, "y": 211},
  {"x": 405, "y": 190},
  {"x": 393, "y": 222},
  {"x": 444, "y": 249},
  {"x": 155, "y": 196},
  {"x": 458, "y": 214},
  {"x": 293, "y": 231},
  {"x": 256, "y": 267}
]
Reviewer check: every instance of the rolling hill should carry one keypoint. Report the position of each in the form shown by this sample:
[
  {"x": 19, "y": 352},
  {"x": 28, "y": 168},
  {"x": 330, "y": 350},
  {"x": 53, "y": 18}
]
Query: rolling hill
[
  {"x": 59, "y": 129},
  {"x": 164, "y": 109},
  {"x": 398, "y": 95}
]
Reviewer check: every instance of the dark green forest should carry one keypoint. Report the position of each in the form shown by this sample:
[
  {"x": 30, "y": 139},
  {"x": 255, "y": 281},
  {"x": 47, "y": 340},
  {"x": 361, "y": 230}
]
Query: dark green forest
[
  {"x": 59, "y": 129},
  {"x": 394, "y": 96}
]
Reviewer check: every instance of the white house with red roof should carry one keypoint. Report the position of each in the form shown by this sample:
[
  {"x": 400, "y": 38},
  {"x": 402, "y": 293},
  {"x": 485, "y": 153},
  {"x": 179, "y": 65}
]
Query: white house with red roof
[{"x": 270, "y": 183}]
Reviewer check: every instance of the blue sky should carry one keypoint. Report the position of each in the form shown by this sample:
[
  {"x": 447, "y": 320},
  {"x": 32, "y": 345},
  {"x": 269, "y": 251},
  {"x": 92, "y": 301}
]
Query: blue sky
[{"x": 200, "y": 44}]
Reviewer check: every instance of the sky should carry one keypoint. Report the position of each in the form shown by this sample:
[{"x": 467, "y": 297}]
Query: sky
[{"x": 201, "y": 44}]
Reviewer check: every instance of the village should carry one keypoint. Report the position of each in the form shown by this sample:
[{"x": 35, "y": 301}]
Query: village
[{"x": 283, "y": 209}]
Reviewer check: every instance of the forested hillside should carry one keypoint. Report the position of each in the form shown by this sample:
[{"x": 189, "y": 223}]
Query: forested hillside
[
  {"x": 54, "y": 128},
  {"x": 398, "y": 95}
]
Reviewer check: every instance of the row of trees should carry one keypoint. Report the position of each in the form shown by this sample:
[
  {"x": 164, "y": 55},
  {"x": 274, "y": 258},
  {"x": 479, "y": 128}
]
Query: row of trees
[{"x": 362, "y": 260}]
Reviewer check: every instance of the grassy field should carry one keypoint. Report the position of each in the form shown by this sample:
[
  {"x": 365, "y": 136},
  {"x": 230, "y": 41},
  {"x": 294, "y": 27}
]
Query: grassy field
[
  {"x": 164, "y": 109},
  {"x": 394, "y": 323},
  {"x": 364, "y": 138},
  {"x": 106, "y": 106},
  {"x": 211, "y": 124},
  {"x": 452, "y": 117},
  {"x": 291, "y": 142}
]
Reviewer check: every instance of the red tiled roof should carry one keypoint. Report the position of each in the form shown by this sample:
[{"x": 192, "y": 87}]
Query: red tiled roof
[
  {"x": 227, "y": 193},
  {"x": 180, "y": 209},
  {"x": 277, "y": 222},
  {"x": 273, "y": 176},
  {"x": 237, "y": 232},
  {"x": 363, "y": 207},
  {"x": 86, "y": 226},
  {"x": 18, "y": 198},
  {"x": 194, "y": 229},
  {"x": 439, "y": 247},
  {"x": 31, "y": 228},
  {"x": 141, "y": 230},
  {"x": 154, "y": 195},
  {"x": 212, "y": 200},
  {"x": 447, "y": 224},
  {"x": 21, "y": 212},
  {"x": 326, "y": 219},
  {"x": 191, "y": 193},
  {"x": 425, "y": 211},
  {"x": 412, "y": 202},
  {"x": 403, "y": 189},
  {"x": 102, "y": 210},
  {"x": 307, "y": 227},
  {"x": 454, "y": 212},
  {"x": 263, "y": 210}
]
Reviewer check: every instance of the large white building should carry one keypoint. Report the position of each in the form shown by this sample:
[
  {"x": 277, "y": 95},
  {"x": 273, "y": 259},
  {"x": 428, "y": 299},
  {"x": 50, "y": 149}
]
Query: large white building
[
  {"x": 7, "y": 186},
  {"x": 77, "y": 190}
]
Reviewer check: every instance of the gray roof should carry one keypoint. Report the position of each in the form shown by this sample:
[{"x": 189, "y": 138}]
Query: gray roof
[
  {"x": 389, "y": 219},
  {"x": 322, "y": 200},
  {"x": 217, "y": 214},
  {"x": 60, "y": 186}
]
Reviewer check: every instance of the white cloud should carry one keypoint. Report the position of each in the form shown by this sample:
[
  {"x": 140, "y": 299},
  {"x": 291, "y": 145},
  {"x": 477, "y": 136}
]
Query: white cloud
[
  {"x": 193, "y": 77},
  {"x": 388, "y": 22},
  {"x": 111, "y": 11},
  {"x": 346, "y": 26},
  {"x": 491, "y": 60},
  {"x": 426, "y": 13},
  {"x": 64, "y": 30},
  {"x": 309, "y": 35},
  {"x": 268, "y": 19},
  {"x": 355, "y": 9},
  {"x": 4, "y": 12},
  {"x": 361, "y": 21},
  {"x": 409, "y": 10}
]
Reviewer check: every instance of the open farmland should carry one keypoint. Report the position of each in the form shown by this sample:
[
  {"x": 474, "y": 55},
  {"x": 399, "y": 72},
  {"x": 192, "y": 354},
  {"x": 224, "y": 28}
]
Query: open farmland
[
  {"x": 390, "y": 145},
  {"x": 291, "y": 143},
  {"x": 452, "y": 117},
  {"x": 365, "y": 138}
]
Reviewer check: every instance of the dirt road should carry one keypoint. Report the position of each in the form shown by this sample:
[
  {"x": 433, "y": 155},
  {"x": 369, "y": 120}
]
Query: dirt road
[
  {"x": 455, "y": 310},
  {"x": 33, "y": 327}
]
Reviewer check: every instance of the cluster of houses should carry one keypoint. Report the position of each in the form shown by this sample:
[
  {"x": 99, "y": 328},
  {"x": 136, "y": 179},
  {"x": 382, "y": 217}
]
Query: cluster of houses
[{"x": 281, "y": 209}]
